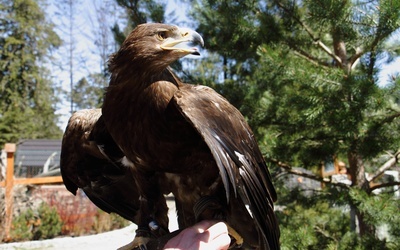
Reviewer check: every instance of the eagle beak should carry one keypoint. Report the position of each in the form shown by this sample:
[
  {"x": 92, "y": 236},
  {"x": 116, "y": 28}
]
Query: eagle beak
[{"x": 183, "y": 41}]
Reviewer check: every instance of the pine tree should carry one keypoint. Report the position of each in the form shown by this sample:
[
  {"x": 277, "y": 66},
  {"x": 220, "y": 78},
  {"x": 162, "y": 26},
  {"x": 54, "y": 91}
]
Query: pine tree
[
  {"x": 89, "y": 91},
  {"x": 138, "y": 12},
  {"x": 27, "y": 97},
  {"x": 306, "y": 76}
]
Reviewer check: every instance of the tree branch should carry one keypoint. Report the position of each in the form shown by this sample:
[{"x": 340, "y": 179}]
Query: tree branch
[
  {"x": 289, "y": 169},
  {"x": 329, "y": 52},
  {"x": 391, "y": 117},
  {"x": 390, "y": 163},
  {"x": 310, "y": 58},
  {"x": 324, "y": 233},
  {"x": 311, "y": 34},
  {"x": 388, "y": 184},
  {"x": 354, "y": 58}
]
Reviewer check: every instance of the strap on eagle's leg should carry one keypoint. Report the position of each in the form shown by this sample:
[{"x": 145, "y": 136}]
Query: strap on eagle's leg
[
  {"x": 148, "y": 224},
  {"x": 156, "y": 230},
  {"x": 152, "y": 215},
  {"x": 213, "y": 203}
]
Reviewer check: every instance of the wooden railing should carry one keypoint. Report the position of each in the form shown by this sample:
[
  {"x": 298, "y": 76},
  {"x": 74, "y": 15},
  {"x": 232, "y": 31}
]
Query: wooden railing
[{"x": 10, "y": 181}]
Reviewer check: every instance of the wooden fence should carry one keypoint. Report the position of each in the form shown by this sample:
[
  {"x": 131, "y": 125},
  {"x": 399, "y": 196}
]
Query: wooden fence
[{"x": 10, "y": 181}]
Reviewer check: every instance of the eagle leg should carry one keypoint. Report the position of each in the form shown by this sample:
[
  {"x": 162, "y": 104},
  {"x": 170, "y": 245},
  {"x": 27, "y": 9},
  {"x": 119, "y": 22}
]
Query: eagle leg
[{"x": 152, "y": 220}]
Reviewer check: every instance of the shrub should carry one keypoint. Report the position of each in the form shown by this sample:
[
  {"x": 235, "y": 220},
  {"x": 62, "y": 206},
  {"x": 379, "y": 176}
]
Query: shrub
[
  {"x": 50, "y": 222},
  {"x": 43, "y": 223},
  {"x": 22, "y": 226}
]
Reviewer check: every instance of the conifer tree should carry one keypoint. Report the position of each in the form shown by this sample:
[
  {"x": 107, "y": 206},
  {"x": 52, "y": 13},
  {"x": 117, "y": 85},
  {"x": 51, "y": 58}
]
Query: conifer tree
[
  {"x": 27, "y": 97},
  {"x": 138, "y": 12},
  {"x": 305, "y": 75}
]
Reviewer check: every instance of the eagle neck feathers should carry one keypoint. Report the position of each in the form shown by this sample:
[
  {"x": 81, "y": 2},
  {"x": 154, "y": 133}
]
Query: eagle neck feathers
[{"x": 143, "y": 100}]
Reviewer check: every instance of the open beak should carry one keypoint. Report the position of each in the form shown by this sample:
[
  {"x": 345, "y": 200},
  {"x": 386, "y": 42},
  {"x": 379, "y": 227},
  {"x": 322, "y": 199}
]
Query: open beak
[{"x": 183, "y": 40}]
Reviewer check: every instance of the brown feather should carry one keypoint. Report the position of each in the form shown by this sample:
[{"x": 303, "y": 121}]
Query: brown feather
[
  {"x": 90, "y": 160},
  {"x": 183, "y": 139}
]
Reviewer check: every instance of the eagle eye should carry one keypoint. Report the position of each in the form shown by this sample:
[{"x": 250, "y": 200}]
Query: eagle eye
[{"x": 162, "y": 35}]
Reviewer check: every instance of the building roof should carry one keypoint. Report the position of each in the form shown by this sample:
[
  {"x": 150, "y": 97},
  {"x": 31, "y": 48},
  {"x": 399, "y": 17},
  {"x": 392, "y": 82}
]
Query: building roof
[{"x": 36, "y": 152}]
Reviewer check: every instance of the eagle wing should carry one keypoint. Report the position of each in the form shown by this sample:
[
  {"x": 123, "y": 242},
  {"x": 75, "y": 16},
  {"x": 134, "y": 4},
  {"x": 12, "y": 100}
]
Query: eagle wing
[
  {"x": 236, "y": 152},
  {"x": 91, "y": 160}
]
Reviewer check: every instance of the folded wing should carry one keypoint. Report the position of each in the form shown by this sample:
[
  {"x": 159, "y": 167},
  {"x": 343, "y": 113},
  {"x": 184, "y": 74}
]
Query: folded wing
[
  {"x": 235, "y": 150},
  {"x": 91, "y": 160}
]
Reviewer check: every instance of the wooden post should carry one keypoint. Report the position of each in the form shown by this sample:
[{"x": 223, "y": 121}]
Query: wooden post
[{"x": 9, "y": 199}]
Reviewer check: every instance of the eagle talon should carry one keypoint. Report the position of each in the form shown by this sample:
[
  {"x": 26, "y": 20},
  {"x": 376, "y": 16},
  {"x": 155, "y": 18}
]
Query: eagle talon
[
  {"x": 139, "y": 243},
  {"x": 235, "y": 236},
  {"x": 141, "y": 247}
]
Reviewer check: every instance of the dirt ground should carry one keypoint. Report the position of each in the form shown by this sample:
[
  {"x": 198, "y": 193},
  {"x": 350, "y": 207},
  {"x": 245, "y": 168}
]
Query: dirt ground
[{"x": 108, "y": 240}]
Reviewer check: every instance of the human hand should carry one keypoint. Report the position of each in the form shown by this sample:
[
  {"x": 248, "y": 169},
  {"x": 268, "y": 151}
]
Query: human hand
[{"x": 205, "y": 235}]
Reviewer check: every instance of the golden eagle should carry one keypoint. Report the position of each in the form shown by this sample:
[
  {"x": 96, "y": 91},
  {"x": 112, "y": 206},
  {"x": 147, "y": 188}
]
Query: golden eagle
[{"x": 156, "y": 135}]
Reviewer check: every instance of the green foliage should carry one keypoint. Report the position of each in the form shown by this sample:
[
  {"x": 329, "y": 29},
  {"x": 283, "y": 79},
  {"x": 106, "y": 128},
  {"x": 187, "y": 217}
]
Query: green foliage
[
  {"x": 285, "y": 62},
  {"x": 379, "y": 210},
  {"x": 50, "y": 222},
  {"x": 304, "y": 73},
  {"x": 88, "y": 92},
  {"x": 309, "y": 222},
  {"x": 321, "y": 219},
  {"x": 27, "y": 98},
  {"x": 312, "y": 110},
  {"x": 234, "y": 37},
  {"x": 22, "y": 226},
  {"x": 138, "y": 12},
  {"x": 45, "y": 223}
]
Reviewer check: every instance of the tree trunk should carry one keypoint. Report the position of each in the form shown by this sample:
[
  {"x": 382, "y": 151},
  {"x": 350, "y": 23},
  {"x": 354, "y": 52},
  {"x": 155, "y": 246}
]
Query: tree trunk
[{"x": 357, "y": 172}]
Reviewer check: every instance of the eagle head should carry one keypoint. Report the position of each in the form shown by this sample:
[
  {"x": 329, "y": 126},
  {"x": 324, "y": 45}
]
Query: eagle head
[{"x": 154, "y": 46}]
